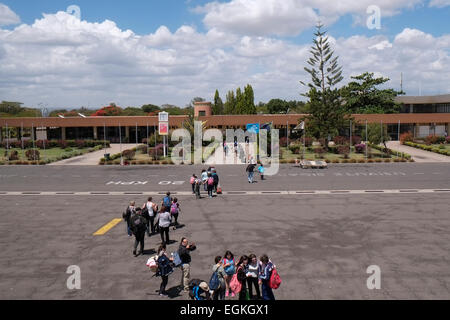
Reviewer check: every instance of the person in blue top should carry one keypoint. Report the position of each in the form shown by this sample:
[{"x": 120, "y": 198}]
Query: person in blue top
[
  {"x": 261, "y": 170},
  {"x": 266, "y": 268}
]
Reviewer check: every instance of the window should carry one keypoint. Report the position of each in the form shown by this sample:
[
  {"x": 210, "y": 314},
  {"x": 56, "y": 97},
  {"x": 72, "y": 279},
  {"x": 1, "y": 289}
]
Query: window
[{"x": 202, "y": 113}]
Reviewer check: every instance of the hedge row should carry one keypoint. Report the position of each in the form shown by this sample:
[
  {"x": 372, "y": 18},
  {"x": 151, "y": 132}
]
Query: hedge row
[
  {"x": 49, "y": 144},
  {"x": 442, "y": 150}
]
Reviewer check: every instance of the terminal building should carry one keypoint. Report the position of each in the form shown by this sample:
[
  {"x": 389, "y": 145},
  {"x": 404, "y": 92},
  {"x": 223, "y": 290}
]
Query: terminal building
[{"x": 422, "y": 116}]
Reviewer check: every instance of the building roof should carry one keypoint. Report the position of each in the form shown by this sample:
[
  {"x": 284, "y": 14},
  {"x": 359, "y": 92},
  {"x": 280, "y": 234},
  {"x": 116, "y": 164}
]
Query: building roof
[
  {"x": 215, "y": 121},
  {"x": 445, "y": 98}
]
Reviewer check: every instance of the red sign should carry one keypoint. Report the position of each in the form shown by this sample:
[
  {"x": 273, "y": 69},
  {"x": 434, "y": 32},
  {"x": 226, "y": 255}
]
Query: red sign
[{"x": 163, "y": 128}]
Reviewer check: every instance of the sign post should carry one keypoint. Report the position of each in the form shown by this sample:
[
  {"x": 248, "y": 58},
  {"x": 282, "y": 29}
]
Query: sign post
[{"x": 164, "y": 128}]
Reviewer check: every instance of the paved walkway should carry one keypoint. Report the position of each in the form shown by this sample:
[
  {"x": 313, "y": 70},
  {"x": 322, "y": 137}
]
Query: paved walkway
[
  {"x": 418, "y": 154},
  {"x": 93, "y": 158},
  {"x": 232, "y": 158}
]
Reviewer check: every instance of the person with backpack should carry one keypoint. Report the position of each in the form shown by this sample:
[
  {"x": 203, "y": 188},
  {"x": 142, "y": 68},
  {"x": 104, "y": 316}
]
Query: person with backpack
[
  {"x": 251, "y": 171},
  {"x": 229, "y": 266},
  {"x": 210, "y": 185},
  {"x": 241, "y": 271},
  {"x": 217, "y": 282},
  {"x": 174, "y": 212},
  {"x": 252, "y": 276},
  {"x": 129, "y": 212},
  {"x": 164, "y": 221},
  {"x": 167, "y": 201},
  {"x": 199, "y": 290},
  {"x": 164, "y": 269},
  {"x": 192, "y": 181},
  {"x": 266, "y": 269},
  {"x": 184, "y": 252},
  {"x": 152, "y": 210},
  {"x": 198, "y": 183},
  {"x": 138, "y": 227}
]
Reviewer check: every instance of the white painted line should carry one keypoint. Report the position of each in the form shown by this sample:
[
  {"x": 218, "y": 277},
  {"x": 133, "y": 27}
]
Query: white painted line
[{"x": 229, "y": 193}]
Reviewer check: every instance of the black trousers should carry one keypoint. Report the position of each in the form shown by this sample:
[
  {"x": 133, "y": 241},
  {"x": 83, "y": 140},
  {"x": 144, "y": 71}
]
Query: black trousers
[
  {"x": 164, "y": 231},
  {"x": 243, "y": 293},
  {"x": 254, "y": 282},
  {"x": 152, "y": 224},
  {"x": 139, "y": 240},
  {"x": 165, "y": 280},
  {"x": 176, "y": 218}
]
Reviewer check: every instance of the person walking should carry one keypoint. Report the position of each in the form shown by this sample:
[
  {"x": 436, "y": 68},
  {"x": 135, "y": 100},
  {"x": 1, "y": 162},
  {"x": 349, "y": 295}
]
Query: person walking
[
  {"x": 184, "y": 251},
  {"x": 175, "y": 211},
  {"x": 164, "y": 269},
  {"x": 251, "y": 171},
  {"x": 205, "y": 180},
  {"x": 129, "y": 212},
  {"x": 216, "y": 180},
  {"x": 167, "y": 201},
  {"x": 261, "y": 170},
  {"x": 192, "y": 181},
  {"x": 219, "y": 293},
  {"x": 266, "y": 268},
  {"x": 164, "y": 224},
  {"x": 198, "y": 183},
  {"x": 252, "y": 276},
  {"x": 152, "y": 209},
  {"x": 210, "y": 185},
  {"x": 229, "y": 265},
  {"x": 242, "y": 269},
  {"x": 138, "y": 226}
]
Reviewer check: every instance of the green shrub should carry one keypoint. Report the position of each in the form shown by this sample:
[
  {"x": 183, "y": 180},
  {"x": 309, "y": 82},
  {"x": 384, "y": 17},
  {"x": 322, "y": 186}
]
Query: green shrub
[
  {"x": 352, "y": 161},
  {"x": 387, "y": 160}
]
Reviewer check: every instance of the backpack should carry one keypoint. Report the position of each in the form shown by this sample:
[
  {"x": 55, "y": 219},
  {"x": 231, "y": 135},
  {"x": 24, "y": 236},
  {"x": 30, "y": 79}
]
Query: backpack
[
  {"x": 167, "y": 202},
  {"x": 275, "y": 279},
  {"x": 174, "y": 209},
  {"x": 177, "y": 260},
  {"x": 235, "y": 284},
  {"x": 138, "y": 223},
  {"x": 164, "y": 267},
  {"x": 214, "y": 282},
  {"x": 231, "y": 269},
  {"x": 210, "y": 181}
]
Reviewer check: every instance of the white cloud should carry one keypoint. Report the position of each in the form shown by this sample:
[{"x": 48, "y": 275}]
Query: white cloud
[
  {"x": 439, "y": 3},
  {"x": 290, "y": 17},
  {"x": 7, "y": 16},
  {"x": 66, "y": 62}
]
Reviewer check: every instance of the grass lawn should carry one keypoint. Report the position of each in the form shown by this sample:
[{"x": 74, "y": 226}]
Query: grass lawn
[
  {"x": 287, "y": 154},
  {"x": 51, "y": 155}
]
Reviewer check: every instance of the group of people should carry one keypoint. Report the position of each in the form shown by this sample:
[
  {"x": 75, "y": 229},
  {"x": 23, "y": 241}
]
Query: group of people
[
  {"x": 209, "y": 179},
  {"x": 166, "y": 264},
  {"x": 151, "y": 219},
  {"x": 231, "y": 279},
  {"x": 251, "y": 171}
]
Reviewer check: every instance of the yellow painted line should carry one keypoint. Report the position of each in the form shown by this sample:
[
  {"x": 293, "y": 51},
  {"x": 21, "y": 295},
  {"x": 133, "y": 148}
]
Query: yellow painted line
[{"x": 107, "y": 227}]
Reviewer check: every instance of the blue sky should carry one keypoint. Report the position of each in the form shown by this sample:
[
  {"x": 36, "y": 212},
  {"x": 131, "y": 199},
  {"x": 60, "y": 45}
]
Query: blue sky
[
  {"x": 210, "y": 45},
  {"x": 146, "y": 16}
]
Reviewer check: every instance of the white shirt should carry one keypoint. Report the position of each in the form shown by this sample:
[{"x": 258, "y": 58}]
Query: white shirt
[
  {"x": 150, "y": 206},
  {"x": 165, "y": 219}
]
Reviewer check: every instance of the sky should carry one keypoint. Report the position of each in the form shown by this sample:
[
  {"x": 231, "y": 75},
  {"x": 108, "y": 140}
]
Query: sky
[{"x": 139, "y": 52}]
